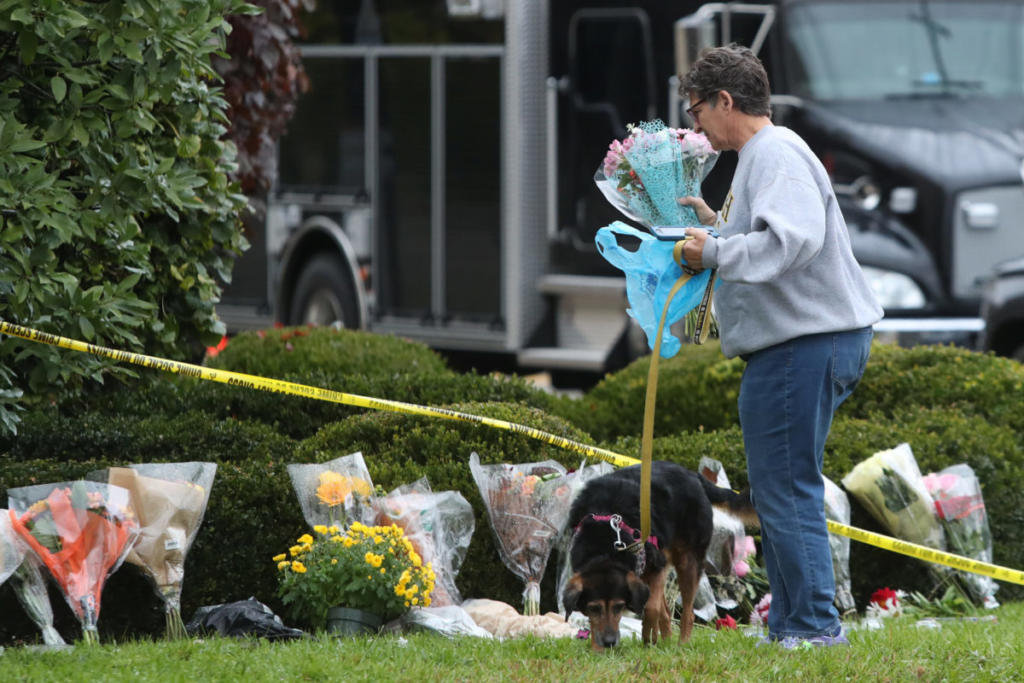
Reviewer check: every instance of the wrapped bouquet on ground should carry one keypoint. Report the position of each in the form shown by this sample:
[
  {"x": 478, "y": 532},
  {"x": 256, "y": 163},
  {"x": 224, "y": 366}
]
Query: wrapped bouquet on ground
[
  {"x": 961, "y": 510},
  {"x": 837, "y": 508},
  {"x": 439, "y": 526},
  {"x": 890, "y": 486},
  {"x": 527, "y": 506},
  {"x": 81, "y": 531},
  {"x": 337, "y": 492},
  {"x": 169, "y": 500}
]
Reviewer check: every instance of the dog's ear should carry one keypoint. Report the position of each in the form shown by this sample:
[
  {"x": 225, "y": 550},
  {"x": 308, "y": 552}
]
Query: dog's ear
[
  {"x": 638, "y": 593},
  {"x": 571, "y": 594}
]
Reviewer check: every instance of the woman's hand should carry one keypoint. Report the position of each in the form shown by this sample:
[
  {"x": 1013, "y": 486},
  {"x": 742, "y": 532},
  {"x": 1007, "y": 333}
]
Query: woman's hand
[
  {"x": 693, "y": 248},
  {"x": 705, "y": 214}
]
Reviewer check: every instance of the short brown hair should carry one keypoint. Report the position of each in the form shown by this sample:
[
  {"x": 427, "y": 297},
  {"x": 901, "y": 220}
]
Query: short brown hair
[{"x": 733, "y": 68}]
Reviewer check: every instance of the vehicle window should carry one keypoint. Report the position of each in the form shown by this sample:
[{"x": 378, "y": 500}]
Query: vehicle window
[{"x": 854, "y": 50}]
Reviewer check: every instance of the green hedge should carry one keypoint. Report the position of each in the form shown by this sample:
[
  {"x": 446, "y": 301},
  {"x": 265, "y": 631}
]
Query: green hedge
[
  {"x": 348, "y": 361},
  {"x": 697, "y": 390}
]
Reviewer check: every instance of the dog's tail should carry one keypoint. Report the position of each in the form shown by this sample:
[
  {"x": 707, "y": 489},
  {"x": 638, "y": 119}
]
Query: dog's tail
[{"x": 737, "y": 503}]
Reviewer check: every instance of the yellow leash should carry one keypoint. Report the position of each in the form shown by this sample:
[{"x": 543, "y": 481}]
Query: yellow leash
[{"x": 700, "y": 335}]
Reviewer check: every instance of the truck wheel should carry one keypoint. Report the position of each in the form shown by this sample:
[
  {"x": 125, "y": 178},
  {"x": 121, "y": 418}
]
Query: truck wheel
[{"x": 324, "y": 294}]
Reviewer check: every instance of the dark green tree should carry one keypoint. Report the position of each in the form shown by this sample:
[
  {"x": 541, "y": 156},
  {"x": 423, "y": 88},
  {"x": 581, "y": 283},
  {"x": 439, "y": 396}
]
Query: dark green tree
[{"x": 119, "y": 210}]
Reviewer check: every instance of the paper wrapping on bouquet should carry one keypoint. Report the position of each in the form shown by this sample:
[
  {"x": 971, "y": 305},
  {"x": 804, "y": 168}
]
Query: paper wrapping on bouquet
[
  {"x": 650, "y": 274},
  {"x": 81, "y": 531},
  {"x": 527, "y": 506},
  {"x": 170, "y": 501},
  {"x": 644, "y": 174},
  {"x": 837, "y": 508},
  {"x": 961, "y": 511},
  {"x": 890, "y": 486},
  {"x": 337, "y": 492},
  {"x": 439, "y": 526}
]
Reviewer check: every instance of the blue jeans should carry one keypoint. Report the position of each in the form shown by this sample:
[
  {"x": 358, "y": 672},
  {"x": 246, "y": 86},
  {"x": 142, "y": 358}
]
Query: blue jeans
[{"x": 787, "y": 397}]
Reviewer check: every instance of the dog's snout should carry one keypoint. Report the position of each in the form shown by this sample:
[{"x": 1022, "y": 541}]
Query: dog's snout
[{"x": 610, "y": 639}]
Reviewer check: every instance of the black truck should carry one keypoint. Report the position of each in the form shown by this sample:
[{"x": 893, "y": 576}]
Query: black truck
[{"x": 437, "y": 181}]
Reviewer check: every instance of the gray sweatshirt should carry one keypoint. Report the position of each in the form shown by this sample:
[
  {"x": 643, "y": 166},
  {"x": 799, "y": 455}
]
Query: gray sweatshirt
[{"x": 784, "y": 254}]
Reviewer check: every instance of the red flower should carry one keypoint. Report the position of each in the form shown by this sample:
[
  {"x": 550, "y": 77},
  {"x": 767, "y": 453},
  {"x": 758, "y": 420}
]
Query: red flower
[
  {"x": 885, "y": 598},
  {"x": 212, "y": 351},
  {"x": 725, "y": 622}
]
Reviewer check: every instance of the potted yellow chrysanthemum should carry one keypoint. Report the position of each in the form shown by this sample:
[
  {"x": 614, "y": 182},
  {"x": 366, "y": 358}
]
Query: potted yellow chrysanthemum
[{"x": 371, "y": 569}]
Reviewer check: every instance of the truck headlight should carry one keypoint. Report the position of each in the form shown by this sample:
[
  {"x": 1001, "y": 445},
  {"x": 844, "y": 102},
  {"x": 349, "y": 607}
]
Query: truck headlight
[{"x": 894, "y": 290}]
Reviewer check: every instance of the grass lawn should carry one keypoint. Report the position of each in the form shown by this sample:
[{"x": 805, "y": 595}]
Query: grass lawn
[{"x": 900, "y": 651}]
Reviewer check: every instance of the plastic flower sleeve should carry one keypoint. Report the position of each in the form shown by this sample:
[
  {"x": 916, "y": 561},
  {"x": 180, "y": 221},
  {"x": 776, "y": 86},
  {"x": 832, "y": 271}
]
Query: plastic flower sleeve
[
  {"x": 81, "y": 531},
  {"x": 337, "y": 492},
  {"x": 837, "y": 508},
  {"x": 961, "y": 510},
  {"x": 170, "y": 501},
  {"x": 889, "y": 485},
  {"x": 30, "y": 589},
  {"x": 651, "y": 273},
  {"x": 527, "y": 506},
  {"x": 439, "y": 526},
  {"x": 22, "y": 569},
  {"x": 12, "y": 551},
  {"x": 577, "y": 480},
  {"x": 644, "y": 174}
]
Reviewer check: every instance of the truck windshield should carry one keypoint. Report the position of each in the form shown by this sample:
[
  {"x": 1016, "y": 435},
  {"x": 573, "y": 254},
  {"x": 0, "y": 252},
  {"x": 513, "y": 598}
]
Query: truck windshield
[{"x": 873, "y": 50}]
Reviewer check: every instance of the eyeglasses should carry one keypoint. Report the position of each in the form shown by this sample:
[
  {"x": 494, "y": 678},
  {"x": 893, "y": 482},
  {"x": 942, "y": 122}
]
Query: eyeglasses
[{"x": 695, "y": 115}]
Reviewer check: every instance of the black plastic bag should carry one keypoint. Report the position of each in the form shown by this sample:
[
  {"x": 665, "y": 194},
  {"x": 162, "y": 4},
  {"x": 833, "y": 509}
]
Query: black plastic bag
[{"x": 240, "y": 619}]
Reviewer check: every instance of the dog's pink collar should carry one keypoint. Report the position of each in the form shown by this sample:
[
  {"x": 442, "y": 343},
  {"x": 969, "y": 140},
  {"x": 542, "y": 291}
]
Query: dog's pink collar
[
  {"x": 618, "y": 524},
  {"x": 636, "y": 547}
]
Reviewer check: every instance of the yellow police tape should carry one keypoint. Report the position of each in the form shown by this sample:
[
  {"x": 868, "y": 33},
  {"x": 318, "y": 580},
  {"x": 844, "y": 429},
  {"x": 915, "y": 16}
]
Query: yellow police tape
[{"x": 294, "y": 389}]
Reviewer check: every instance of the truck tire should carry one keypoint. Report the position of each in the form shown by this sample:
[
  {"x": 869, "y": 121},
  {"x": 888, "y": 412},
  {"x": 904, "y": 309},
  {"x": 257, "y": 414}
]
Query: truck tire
[{"x": 324, "y": 294}]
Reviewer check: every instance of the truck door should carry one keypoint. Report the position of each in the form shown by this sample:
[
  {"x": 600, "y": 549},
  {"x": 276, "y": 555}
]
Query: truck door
[{"x": 609, "y": 82}]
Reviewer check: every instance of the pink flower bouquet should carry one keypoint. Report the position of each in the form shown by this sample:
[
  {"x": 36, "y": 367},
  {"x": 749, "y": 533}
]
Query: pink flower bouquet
[{"x": 644, "y": 174}]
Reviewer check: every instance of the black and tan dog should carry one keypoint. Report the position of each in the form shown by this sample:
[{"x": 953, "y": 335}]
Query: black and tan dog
[{"x": 614, "y": 569}]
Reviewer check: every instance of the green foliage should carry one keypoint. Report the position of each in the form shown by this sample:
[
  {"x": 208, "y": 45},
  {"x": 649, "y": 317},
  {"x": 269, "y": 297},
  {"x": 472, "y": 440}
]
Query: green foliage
[
  {"x": 374, "y": 569},
  {"x": 949, "y": 410},
  {"x": 118, "y": 213},
  {"x": 976, "y": 383},
  {"x": 348, "y": 361},
  {"x": 697, "y": 390}
]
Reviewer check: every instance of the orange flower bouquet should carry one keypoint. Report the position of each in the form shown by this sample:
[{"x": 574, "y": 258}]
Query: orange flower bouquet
[
  {"x": 335, "y": 492},
  {"x": 81, "y": 531}
]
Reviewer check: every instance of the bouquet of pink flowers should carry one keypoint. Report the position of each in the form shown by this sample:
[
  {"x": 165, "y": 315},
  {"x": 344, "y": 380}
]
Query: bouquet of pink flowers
[{"x": 644, "y": 174}]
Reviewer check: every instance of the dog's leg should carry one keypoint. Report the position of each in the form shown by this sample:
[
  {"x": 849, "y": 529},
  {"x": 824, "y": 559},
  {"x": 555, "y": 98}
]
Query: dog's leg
[
  {"x": 657, "y": 624},
  {"x": 688, "y": 576}
]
